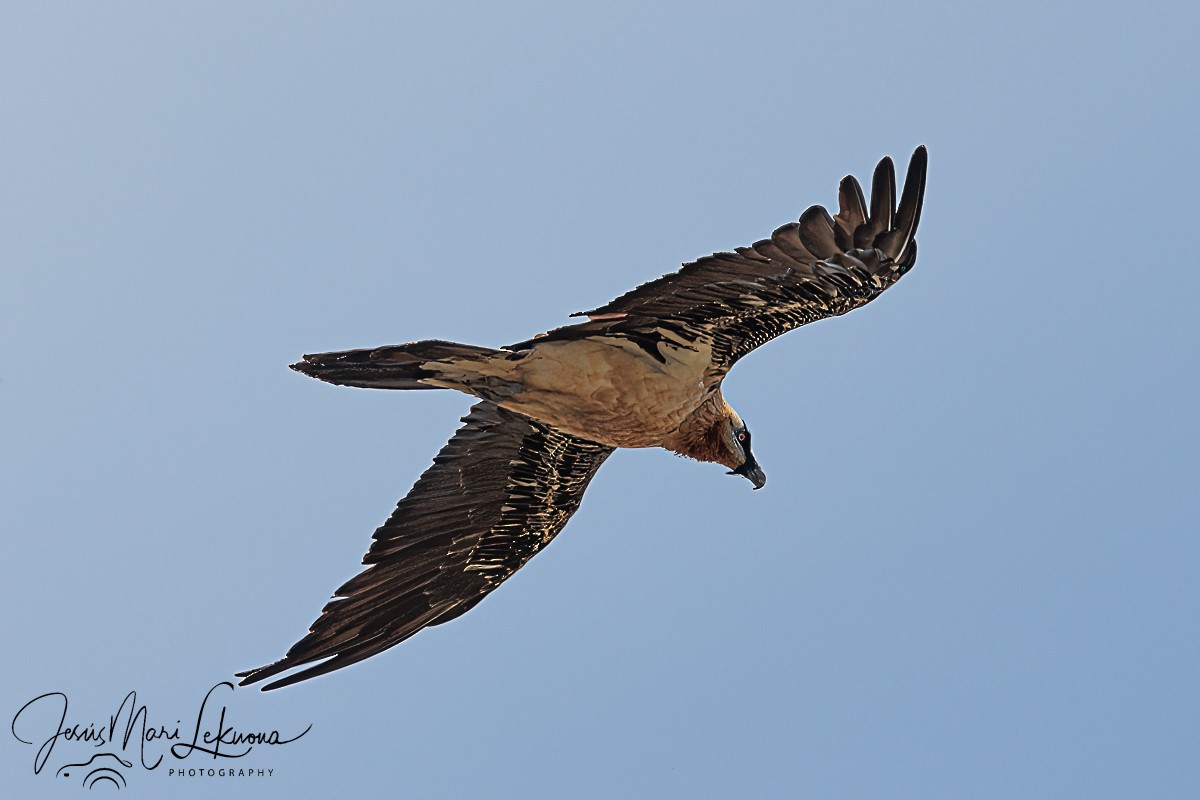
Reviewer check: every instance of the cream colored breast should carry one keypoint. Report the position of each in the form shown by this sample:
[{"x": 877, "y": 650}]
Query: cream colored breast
[{"x": 609, "y": 390}]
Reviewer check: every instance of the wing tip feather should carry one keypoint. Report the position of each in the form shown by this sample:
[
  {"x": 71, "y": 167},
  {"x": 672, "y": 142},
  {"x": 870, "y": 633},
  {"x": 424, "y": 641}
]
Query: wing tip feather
[{"x": 898, "y": 243}]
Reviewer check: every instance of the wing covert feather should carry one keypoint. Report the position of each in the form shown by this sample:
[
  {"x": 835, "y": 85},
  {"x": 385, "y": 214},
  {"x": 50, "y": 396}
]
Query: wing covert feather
[
  {"x": 819, "y": 267},
  {"x": 497, "y": 493}
]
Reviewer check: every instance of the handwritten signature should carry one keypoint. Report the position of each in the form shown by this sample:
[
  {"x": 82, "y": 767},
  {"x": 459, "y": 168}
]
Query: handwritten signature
[{"x": 44, "y": 720}]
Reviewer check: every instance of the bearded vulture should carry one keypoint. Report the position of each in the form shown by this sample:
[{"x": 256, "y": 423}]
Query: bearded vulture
[{"x": 642, "y": 371}]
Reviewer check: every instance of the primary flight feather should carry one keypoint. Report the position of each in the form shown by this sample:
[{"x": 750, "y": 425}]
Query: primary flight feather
[{"x": 644, "y": 370}]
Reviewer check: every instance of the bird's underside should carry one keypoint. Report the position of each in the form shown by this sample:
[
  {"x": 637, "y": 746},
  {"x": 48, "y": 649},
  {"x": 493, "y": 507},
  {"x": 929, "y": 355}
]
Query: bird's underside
[{"x": 644, "y": 370}]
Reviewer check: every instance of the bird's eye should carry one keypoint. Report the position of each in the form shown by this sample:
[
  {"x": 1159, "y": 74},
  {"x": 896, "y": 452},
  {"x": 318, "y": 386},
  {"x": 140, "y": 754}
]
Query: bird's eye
[{"x": 742, "y": 436}]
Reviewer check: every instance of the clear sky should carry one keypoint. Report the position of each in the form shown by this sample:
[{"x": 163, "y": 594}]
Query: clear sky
[{"x": 973, "y": 570}]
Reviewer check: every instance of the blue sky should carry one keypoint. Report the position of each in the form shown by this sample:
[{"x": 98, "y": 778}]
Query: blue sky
[{"x": 972, "y": 573}]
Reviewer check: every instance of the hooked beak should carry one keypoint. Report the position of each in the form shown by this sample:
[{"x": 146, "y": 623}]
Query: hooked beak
[{"x": 751, "y": 472}]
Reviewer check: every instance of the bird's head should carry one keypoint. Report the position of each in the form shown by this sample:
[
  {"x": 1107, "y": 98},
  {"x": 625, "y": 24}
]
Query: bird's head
[
  {"x": 714, "y": 432},
  {"x": 736, "y": 454}
]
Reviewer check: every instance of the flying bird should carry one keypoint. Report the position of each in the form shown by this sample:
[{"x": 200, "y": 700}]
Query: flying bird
[{"x": 644, "y": 370}]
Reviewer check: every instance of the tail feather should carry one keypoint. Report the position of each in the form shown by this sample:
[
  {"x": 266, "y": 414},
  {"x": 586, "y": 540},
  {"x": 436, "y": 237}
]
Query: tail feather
[{"x": 402, "y": 366}]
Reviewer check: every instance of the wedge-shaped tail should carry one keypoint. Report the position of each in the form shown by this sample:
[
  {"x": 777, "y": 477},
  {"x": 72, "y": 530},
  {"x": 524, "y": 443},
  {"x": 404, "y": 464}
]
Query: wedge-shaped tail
[{"x": 400, "y": 366}]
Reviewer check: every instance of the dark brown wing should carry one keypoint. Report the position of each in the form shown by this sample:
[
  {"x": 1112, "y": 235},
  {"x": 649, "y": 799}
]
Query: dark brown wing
[
  {"x": 818, "y": 267},
  {"x": 496, "y": 494}
]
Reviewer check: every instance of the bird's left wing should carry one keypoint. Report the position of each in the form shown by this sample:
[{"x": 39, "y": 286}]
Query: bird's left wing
[
  {"x": 497, "y": 493},
  {"x": 819, "y": 267}
]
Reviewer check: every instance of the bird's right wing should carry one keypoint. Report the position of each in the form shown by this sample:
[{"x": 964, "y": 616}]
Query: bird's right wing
[
  {"x": 496, "y": 494},
  {"x": 819, "y": 267}
]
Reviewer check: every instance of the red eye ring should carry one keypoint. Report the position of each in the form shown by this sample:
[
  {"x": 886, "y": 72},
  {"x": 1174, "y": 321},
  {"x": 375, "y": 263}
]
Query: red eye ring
[{"x": 742, "y": 437}]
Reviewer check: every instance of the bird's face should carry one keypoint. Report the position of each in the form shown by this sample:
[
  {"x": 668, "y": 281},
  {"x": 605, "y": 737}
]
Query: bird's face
[{"x": 742, "y": 462}]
